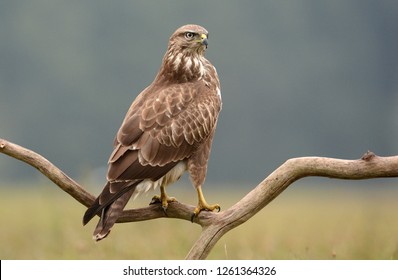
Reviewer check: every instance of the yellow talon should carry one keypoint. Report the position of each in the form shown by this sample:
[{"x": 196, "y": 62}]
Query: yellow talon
[
  {"x": 163, "y": 198},
  {"x": 203, "y": 205}
]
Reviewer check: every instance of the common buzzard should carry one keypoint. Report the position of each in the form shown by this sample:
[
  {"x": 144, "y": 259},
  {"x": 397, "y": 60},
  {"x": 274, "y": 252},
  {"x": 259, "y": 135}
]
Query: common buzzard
[{"x": 167, "y": 130}]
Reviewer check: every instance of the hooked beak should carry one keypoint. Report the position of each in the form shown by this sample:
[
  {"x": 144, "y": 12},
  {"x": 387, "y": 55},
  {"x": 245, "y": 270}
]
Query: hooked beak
[{"x": 204, "y": 40}]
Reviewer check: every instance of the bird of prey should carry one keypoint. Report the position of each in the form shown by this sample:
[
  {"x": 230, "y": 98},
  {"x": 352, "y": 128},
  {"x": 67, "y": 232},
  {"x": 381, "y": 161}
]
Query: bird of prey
[{"x": 167, "y": 130}]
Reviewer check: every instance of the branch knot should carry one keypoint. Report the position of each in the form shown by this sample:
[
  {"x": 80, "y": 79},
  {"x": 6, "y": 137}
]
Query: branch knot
[{"x": 368, "y": 156}]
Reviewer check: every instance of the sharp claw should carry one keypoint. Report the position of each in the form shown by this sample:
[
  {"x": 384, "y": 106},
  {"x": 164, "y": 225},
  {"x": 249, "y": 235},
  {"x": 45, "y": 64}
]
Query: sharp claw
[
  {"x": 201, "y": 208},
  {"x": 164, "y": 201},
  {"x": 154, "y": 200},
  {"x": 203, "y": 205},
  {"x": 164, "y": 207}
]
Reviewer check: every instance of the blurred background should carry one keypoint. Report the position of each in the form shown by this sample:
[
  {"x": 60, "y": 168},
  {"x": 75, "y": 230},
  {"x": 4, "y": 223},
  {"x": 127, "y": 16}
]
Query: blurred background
[{"x": 299, "y": 78}]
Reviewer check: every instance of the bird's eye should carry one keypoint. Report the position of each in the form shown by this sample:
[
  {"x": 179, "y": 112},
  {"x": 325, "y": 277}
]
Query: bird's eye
[{"x": 189, "y": 35}]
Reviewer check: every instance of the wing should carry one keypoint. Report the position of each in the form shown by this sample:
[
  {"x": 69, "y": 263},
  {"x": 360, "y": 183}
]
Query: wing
[{"x": 162, "y": 127}]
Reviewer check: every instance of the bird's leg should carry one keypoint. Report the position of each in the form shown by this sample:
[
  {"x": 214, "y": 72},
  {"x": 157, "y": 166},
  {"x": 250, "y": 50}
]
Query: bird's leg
[
  {"x": 203, "y": 205},
  {"x": 163, "y": 198}
]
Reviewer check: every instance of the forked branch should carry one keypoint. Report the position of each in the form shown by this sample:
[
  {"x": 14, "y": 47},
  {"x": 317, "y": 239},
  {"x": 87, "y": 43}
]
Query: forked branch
[{"x": 215, "y": 225}]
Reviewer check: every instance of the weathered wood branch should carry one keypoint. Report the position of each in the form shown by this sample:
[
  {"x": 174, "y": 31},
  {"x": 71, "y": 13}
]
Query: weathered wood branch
[
  {"x": 175, "y": 210},
  {"x": 215, "y": 225},
  {"x": 369, "y": 166},
  {"x": 49, "y": 170}
]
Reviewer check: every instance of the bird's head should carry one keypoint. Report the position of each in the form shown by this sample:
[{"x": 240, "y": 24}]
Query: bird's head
[
  {"x": 184, "y": 60},
  {"x": 189, "y": 39}
]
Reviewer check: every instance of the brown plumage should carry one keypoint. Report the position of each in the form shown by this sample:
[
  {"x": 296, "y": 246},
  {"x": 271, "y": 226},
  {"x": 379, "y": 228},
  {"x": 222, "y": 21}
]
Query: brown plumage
[{"x": 168, "y": 129}]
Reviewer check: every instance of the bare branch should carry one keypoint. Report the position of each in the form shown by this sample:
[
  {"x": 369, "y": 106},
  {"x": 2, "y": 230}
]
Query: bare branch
[
  {"x": 49, "y": 170},
  {"x": 215, "y": 225},
  {"x": 175, "y": 210},
  {"x": 369, "y": 166}
]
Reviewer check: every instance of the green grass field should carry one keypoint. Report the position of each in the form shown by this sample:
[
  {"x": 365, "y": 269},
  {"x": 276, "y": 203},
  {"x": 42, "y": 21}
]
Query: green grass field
[{"x": 303, "y": 223}]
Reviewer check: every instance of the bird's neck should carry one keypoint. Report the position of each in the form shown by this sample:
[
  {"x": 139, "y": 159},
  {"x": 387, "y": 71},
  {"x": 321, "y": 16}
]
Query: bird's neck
[{"x": 182, "y": 67}]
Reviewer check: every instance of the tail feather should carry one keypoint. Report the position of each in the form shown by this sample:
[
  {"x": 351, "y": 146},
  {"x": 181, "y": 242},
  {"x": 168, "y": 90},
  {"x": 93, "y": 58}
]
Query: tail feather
[
  {"x": 110, "y": 214},
  {"x": 109, "y": 204},
  {"x": 92, "y": 211},
  {"x": 106, "y": 198}
]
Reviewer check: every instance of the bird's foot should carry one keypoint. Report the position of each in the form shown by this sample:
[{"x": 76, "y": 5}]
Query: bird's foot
[
  {"x": 202, "y": 205},
  {"x": 164, "y": 200}
]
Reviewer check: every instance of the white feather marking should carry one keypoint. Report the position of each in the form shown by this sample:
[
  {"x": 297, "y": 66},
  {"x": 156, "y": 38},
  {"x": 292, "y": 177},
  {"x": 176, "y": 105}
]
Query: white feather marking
[
  {"x": 198, "y": 62},
  {"x": 202, "y": 69},
  {"x": 218, "y": 92},
  {"x": 188, "y": 65},
  {"x": 177, "y": 61},
  {"x": 173, "y": 175},
  {"x": 173, "y": 128}
]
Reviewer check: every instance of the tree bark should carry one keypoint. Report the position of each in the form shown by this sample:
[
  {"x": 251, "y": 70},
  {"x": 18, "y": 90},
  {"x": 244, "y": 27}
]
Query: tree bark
[{"x": 215, "y": 225}]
